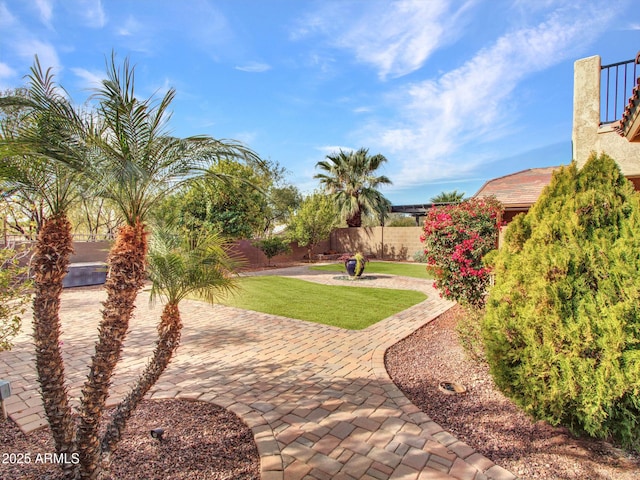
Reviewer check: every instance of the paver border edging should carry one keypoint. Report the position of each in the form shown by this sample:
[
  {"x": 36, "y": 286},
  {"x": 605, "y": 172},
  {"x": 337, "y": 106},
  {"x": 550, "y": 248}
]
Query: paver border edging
[
  {"x": 481, "y": 463},
  {"x": 271, "y": 464}
]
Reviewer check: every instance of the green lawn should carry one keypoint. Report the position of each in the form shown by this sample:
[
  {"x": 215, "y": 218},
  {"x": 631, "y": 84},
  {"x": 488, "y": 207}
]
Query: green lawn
[
  {"x": 353, "y": 308},
  {"x": 416, "y": 270}
]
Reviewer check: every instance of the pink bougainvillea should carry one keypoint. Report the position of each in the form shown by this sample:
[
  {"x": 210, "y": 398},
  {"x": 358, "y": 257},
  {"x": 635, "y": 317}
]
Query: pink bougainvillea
[{"x": 456, "y": 237}]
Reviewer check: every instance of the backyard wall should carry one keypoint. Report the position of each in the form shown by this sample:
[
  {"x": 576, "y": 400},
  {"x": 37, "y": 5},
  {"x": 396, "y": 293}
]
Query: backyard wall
[
  {"x": 90, "y": 251},
  {"x": 83, "y": 252},
  {"x": 400, "y": 243},
  {"x": 254, "y": 256}
]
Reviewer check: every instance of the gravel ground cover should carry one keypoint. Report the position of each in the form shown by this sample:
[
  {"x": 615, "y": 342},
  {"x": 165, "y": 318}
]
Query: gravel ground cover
[
  {"x": 488, "y": 421},
  {"x": 201, "y": 440}
]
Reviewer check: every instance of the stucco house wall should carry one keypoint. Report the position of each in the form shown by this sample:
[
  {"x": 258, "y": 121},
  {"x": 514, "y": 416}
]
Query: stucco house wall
[{"x": 588, "y": 135}]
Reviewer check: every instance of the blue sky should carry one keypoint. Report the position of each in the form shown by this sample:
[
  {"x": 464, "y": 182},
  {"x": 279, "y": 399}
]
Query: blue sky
[{"x": 452, "y": 93}]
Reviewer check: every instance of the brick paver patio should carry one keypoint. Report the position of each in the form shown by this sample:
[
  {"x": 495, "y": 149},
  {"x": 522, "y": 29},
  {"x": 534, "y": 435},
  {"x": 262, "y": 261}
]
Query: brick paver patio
[{"x": 318, "y": 398}]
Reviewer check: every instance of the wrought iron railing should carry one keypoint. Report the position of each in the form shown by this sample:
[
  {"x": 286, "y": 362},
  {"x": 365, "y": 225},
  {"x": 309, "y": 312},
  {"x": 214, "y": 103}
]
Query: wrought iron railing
[{"x": 616, "y": 85}]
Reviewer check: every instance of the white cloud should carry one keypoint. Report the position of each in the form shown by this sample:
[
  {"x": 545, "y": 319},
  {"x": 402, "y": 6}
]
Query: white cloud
[
  {"x": 129, "y": 28},
  {"x": 254, "y": 67},
  {"x": 331, "y": 149},
  {"x": 246, "y": 137},
  {"x": 206, "y": 27},
  {"x": 6, "y": 71},
  {"x": 6, "y": 18},
  {"x": 91, "y": 79},
  {"x": 46, "y": 52},
  {"x": 92, "y": 12},
  {"x": 396, "y": 38},
  {"x": 467, "y": 105},
  {"x": 45, "y": 8}
]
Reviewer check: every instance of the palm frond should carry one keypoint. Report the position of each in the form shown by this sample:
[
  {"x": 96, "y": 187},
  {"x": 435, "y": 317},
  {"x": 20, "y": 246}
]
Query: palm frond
[
  {"x": 199, "y": 264},
  {"x": 138, "y": 161},
  {"x": 42, "y": 147},
  {"x": 350, "y": 178}
]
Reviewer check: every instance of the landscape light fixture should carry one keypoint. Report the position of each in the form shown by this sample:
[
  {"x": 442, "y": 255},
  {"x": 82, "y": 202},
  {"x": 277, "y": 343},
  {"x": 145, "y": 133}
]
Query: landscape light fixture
[{"x": 157, "y": 433}]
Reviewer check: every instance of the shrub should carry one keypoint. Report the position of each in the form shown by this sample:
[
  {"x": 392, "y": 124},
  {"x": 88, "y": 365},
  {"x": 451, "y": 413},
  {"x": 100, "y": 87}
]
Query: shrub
[
  {"x": 14, "y": 295},
  {"x": 455, "y": 238},
  {"x": 272, "y": 246},
  {"x": 468, "y": 328},
  {"x": 401, "y": 221},
  {"x": 562, "y": 329},
  {"x": 420, "y": 257}
]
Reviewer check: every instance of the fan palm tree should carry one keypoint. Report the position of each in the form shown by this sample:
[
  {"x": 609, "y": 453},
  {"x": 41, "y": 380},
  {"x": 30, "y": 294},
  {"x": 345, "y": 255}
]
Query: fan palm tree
[
  {"x": 448, "y": 197},
  {"x": 178, "y": 266},
  {"x": 350, "y": 178},
  {"x": 41, "y": 158},
  {"x": 136, "y": 163}
]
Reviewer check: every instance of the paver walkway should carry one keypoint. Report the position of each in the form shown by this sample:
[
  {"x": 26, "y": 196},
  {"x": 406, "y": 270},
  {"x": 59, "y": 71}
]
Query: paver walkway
[{"x": 318, "y": 398}]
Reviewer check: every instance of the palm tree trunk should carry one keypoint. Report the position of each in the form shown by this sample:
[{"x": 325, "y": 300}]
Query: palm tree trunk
[
  {"x": 126, "y": 276},
  {"x": 50, "y": 262},
  {"x": 355, "y": 220},
  {"x": 169, "y": 331}
]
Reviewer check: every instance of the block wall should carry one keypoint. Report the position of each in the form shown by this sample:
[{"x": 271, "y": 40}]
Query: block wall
[{"x": 385, "y": 243}]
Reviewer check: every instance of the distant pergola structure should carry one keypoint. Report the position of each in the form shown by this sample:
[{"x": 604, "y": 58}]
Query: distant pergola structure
[{"x": 417, "y": 211}]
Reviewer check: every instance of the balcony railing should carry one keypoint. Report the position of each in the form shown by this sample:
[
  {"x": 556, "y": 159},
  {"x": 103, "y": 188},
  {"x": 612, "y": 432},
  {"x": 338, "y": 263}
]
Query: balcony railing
[{"x": 616, "y": 85}]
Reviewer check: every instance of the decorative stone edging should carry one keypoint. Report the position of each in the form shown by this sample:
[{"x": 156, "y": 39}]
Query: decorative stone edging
[{"x": 481, "y": 463}]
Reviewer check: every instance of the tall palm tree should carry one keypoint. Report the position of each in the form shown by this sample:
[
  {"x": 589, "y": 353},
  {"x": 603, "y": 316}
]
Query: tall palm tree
[
  {"x": 42, "y": 156},
  {"x": 135, "y": 164},
  {"x": 350, "y": 178},
  {"x": 178, "y": 266}
]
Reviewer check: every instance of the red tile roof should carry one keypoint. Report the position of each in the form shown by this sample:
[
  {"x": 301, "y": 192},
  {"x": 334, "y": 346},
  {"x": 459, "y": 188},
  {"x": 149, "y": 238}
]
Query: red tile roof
[
  {"x": 520, "y": 189},
  {"x": 629, "y": 125},
  {"x": 630, "y": 116}
]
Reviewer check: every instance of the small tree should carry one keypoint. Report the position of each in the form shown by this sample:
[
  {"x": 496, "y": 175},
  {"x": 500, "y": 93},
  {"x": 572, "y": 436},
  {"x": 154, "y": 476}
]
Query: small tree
[
  {"x": 562, "y": 328},
  {"x": 456, "y": 237},
  {"x": 272, "y": 246},
  {"x": 282, "y": 200},
  {"x": 14, "y": 295},
  {"x": 313, "y": 222},
  {"x": 125, "y": 150},
  {"x": 178, "y": 266}
]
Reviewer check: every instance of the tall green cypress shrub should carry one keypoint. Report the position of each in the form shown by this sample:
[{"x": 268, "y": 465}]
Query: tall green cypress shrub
[{"x": 562, "y": 328}]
